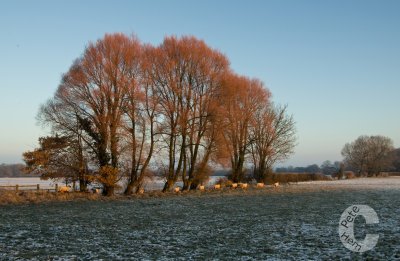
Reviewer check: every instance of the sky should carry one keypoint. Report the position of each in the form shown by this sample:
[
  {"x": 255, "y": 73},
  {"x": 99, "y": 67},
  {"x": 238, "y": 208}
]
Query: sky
[{"x": 336, "y": 64}]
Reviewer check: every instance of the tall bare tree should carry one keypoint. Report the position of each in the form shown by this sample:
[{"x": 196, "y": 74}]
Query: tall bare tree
[
  {"x": 206, "y": 69},
  {"x": 272, "y": 139},
  {"x": 94, "y": 92},
  {"x": 141, "y": 122},
  {"x": 241, "y": 99},
  {"x": 186, "y": 73}
]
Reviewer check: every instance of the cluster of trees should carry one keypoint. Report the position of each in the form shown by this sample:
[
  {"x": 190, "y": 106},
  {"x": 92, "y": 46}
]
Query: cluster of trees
[
  {"x": 125, "y": 108},
  {"x": 370, "y": 155},
  {"x": 12, "y": 170}
]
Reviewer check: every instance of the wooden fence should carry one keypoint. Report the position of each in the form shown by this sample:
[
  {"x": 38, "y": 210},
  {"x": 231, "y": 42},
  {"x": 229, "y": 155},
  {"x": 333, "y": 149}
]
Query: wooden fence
[{"x": 37, "y": 186}]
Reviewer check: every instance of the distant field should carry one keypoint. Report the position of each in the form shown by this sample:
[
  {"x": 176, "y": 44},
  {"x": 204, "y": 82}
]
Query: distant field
[{"x": 290, "y": 222}]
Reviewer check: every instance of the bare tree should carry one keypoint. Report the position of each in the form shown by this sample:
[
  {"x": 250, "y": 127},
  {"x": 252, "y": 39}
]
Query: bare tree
[
  {"x": 356, "y": 154},
  {"x": 272, "y": 139},
  {"x": 93, "y": 93},
  {"x": 206, "y": 69},
  {"x": 240, "y": 100},
  {"x": 369, "y": 155},
  {"x": 64, "y": 123},
  {"x": 141, "y": 121},
  {"x": 186, "y": 74}
]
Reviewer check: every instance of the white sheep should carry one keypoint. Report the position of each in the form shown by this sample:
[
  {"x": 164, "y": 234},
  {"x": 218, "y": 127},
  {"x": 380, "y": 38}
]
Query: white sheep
[
  {"x": 176, "y": 189},
  {"x": 217, "y": 186},
  {"x": 243, "y": 185},
  {"x": 201, "y": 187},
  {"x": 260, "y": 185},
  {"x": 234, "y": 185},
  {"x": 276, "y": 184},
  {"x": 65, "y": 189}
]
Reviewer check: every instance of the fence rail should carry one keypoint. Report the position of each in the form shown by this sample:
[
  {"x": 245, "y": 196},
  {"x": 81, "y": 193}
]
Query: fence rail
[{"x": 37, "y": 186}]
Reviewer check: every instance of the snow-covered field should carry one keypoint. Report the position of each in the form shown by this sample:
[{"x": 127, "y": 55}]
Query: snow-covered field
[
  {"x": 374, "y": 182},
  {"x": 295, "y": 222}
]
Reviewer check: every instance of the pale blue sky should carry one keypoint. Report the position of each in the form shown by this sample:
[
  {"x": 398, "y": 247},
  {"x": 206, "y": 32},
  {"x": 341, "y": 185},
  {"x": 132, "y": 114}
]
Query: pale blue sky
[{"x": 335, "y": 63}]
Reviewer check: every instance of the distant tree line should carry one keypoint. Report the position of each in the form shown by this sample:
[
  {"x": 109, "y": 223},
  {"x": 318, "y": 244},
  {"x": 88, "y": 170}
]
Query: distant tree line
[
  {"x": 12, "y": 170},
  {"x": 366, "y": 156},
  {"x": 125, "y": 110},
  {"x": 327, "y": 168}
]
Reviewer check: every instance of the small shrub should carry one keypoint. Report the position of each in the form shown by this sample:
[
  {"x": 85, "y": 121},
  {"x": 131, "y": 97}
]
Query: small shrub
[{"x": 349, "y": 174}]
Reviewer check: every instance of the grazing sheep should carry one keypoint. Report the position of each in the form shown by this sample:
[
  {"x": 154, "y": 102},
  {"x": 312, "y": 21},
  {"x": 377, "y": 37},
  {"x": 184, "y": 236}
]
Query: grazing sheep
[
  {"x": 201, "y": 187},
  {"x": 140, "y": 191},
  {"x": 176, "y": 189},
  {"x": 234, "y": 185},
  {"x": 217, "y": 186},
  {"x": 243, "y": 185},
  {"x": 260, "y": 185},
  {"x": 95, "y": 190},
  {"x": 276, "y": 184},
  {"x": 65, "y": 189}
]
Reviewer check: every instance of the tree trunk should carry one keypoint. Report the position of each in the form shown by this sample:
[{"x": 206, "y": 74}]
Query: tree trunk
[
  {"x": 238, "y": 174},
  {"x": 168, "y": 186},
  {"x": 108, "y": 191},
  {"x": 187, "y": 185},
  {"x": 193, "y": 186},
  {"x": 82, "y": 184},
  {"x": 129, "y": 188},
  {"x": 132, "y": 183}
]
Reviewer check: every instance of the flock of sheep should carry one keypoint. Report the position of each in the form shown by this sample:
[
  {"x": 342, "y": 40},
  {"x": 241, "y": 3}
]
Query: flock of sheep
[
  {"x": 67, "y": 188},
  {"x": 177, "y": 189},
  {"x": 234, "y": 185}
]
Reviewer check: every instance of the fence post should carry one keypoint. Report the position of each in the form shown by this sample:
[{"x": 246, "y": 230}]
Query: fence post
[
  {"x": 16, "y": 188},
  {"x": 56, "y": 188},
  {"x": 38, "y": 188}
]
